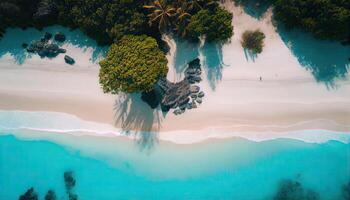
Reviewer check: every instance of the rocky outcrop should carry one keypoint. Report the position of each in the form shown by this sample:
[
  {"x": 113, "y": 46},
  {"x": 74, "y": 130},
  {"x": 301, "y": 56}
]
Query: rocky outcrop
[
  {"x": 178, "y": 96},
  {"x": 194, "y": 71},
  {"x": 47, "y": 36},
  {"x": 175, "y": 94},
  {"x": 45, "y": 49}
]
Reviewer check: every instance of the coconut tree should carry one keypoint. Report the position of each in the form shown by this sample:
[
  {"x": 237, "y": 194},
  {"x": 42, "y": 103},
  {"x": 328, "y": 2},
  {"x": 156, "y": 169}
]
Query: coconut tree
[
  {"x": 197, "y": 5},
  {"x": 161, "y": 14},
  {"x": 182, "y": 18}
]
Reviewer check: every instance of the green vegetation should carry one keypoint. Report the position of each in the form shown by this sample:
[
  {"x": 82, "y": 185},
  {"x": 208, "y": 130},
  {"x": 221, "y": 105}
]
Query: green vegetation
[
  {"x": 253, "y": 41},
  {"x": 104, "y": 20},
  {"x": 133, "y": 64},
  {"x": 191, "y": 19},
  {"x": 326, "y": 19},
  {"x": 215, "y": 25},
  {"x": 20, "y": 13}
]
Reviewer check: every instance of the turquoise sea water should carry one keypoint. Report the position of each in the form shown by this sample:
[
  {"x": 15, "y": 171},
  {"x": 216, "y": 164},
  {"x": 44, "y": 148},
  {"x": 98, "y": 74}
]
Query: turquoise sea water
[{"x": 226, "y": 169}]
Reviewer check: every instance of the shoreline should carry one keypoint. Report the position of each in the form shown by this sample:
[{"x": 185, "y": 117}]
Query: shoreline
[
  {"x": 78, "y": 127},
  {"x": 289, "y": 97}
]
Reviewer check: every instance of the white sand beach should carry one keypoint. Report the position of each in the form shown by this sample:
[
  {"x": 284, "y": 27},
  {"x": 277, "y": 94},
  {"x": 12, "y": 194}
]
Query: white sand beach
[{"x": 288, "y": 98}]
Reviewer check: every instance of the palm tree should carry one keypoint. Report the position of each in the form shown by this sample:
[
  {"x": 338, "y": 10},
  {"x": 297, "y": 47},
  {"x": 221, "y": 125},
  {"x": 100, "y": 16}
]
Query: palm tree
[
  {"x": 183, "y": 17},
  {"x": 196, "y": 5},
  {"x": 161, "y": 14}
]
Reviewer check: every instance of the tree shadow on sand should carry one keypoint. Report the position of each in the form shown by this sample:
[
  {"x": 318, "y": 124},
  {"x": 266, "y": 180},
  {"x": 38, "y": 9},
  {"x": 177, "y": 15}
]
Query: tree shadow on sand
[
  {"x": 138, "y": 119},
  {"x": 328, "y": 61},
  {"x": 254, "y": 8},
  {"x": 213, "y": 62},
  {"x": 249, "y": 55},
  {"x": 13, "y": 39},
  {"x": 185, "y": 52}
]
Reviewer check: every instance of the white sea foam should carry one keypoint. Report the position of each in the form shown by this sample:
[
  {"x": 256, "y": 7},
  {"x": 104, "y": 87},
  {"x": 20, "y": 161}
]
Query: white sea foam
[{"x": 69, "y": 124}]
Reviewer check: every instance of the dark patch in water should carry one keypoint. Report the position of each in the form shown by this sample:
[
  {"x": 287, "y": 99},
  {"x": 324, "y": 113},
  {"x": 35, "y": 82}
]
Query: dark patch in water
[
  {"x": 346, "y": 191},
  {"x": 293, "y": 190},
  {"x": 69, "y": 182},
  {"x": 50, "y": 195},
  {"x": 30, "y": 194}
]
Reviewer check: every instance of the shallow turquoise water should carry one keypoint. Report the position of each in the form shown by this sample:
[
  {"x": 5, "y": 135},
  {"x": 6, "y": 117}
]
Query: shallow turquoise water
[{"x": 229, "y": 169}]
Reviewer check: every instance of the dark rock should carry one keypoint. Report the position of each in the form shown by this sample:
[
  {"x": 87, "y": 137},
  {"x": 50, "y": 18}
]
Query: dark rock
[
  {"x": 199, "y": 100},
  {"x": 183, "y": 107},
  {"x": 195, "y": 64},
  {"x": 60, "y": 50},
  {"x": 44, "y": 49},
  {"x": 193, "y": 96},
  {"x": 24, "y": 45},
  {"x": 175, "y": 94},
  {"x": 201, "y": 94},
  {"x": 194, "y": 89},
  {"x": 48, "y": 36},
  {"x": 29, "y": 195},
  {"x": 50, "y": 195},
  {"x": 177, "y": 112},
  {"x": 69, "y": 60},
  {"x": 193, "y": 71},
  {"x": 194, "y": 79},
  {"x": 152, "y": 98},
  {"x": 60, "y": 37},
  {"x": 44, "y": 40},
  {"x": 194, "y": 105},
  {"x": 51, "y": 50},
  {"x": 189, "y": 106}
]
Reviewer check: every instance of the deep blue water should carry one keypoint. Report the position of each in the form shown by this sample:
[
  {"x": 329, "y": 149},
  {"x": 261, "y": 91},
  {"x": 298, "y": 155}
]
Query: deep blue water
[{"x": 117, "y": 169}]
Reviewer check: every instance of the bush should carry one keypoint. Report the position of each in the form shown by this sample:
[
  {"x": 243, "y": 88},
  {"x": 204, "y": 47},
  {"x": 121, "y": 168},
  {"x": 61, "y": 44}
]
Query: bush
[
  {"x": 215, "y": 25},
  {"x": 133, "y": 64},
  {"x": 253, "y": 41},
  {"x": 326, "y": 19}
]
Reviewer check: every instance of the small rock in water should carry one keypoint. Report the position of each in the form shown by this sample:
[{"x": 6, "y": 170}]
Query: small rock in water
[
  {"x": 193, "y": 96},
  {"x": 24, "y": 45},
  {"x": 201, "y": 94},
  {"x": 194, "y": 89},
  {"x": 48, "y": 36},
  {"x": 60, "y": 37},
  {"x": 69, "y": 60},
  {"x": 199, "y": 100}
]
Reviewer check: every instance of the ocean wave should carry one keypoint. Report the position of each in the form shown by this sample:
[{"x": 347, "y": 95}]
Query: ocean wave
[{"x": 69, "y": 124}]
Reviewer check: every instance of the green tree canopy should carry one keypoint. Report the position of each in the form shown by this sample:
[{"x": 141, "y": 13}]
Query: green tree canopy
[
  {"x": 104, "y": 20},
  {"x": 326, "y": 19},
  {"x": 215, "y": 25},
  {"x": 253, "y": 41},
  {"x": 133, "y": 64}
]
